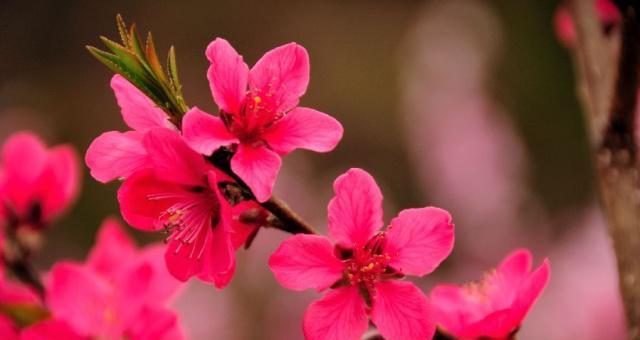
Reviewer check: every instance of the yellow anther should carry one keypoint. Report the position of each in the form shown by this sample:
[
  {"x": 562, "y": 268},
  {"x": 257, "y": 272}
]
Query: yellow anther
[
  {"x": 175, "y": 217},
  {"x": 257, "y": 100},
  {"x": 108, "y": 315}
]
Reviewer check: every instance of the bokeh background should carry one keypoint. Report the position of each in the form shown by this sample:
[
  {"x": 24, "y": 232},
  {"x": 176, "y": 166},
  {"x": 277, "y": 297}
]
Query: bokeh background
[{"x": 466, "y": 105}]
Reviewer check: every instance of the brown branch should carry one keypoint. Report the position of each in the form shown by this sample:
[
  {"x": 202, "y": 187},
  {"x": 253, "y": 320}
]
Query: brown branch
[
  {"x": 16, "y": 258},
  {"x": 610, "y": 93},
  {"x": 288, "y": 220}
]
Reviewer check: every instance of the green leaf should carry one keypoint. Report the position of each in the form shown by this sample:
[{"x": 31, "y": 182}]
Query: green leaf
[
  {"x": 127, "y": 58},
  {"x": 173, "y": 69},
  {"x": 135, "y": 44},
  {"x": 141, "y": 66},
  {"x": 122, "y": 29},
  {"x": 152, "y": 58},
  {"x": 113, "y": 63}
]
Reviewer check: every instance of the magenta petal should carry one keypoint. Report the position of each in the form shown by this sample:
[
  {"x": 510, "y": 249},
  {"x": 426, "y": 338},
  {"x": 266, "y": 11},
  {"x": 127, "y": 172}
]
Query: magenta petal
[
  {"x": 51, "y": 329},
  {"x": 227, "y": 75},
  {"x": 453, "y": 309},
  {"x": 355, "y": 213},
  {"x": 402, "y": 312},
  {"x": 184, "y": 259},
  {"x": 162, "y": 286},
  {"x": 135, "y": 204},
  {"x": 173, "y": 160},
  {"x": 497, "y": 325},
  {"x": 78, "y": 296},
  {"x": 339, "y": 315},
  {"x": 304, "y": 128},
  {"x": 258, "y": 167},
  {"x": 8, "y": 329},
  {"x": 59, "y": 184},
  {"x": 130, "y": 292},
  {"x": 116, "y": 155},
  {"x": 219, "y": 259},
  {"x": 11, "y": 292},
  {"x": 508, "y": 278},
  {"x": 112, "y": 249},
  {"x": 531, "y": 290},
  {"x": 306, "y": 261},
  {"x": 155, "y": 323},
  {"x": 205, "y": 133},
  {"x": 419, "y": 239},
  {"x": 139, "y": 112},
  {"x": 283, "y": 74},
  {"x": 516, "y": 265}
]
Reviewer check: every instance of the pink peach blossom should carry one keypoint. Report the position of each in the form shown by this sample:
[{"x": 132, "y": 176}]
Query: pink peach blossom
[
  {"x": 120, "y": 291},
  {"x": 37, "y": 184},
  {"x": 179, "y": 195},
  {"x": 362, "y": 265},
  {"x": 495, "y": 307},
  {"x": 117, "y": 154},
  {"x": 565, "y": 29},
  {"x": 259, "y": 115}
]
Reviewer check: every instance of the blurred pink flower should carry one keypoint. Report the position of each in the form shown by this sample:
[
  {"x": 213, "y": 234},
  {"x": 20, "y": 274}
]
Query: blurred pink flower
[
  {"x": 495, "y": 307},
  {"x": 117, "y": 154},
  {"x": 259, "y": 113},
  {"x": 37, "y": 184},
  {"x": 467, "y": 153},
  {"x": 363, "y": 263},
  {"x": 119, "y": 291},
  {"x": 584, "y": 292},
  {"x": 565, "y": 29}
]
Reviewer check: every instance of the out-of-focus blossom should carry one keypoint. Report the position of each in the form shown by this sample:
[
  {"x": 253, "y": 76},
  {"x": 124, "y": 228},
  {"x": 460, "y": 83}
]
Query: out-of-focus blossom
[
  {"x": 119, "y": 292},
  {"x": 179, "y": 195},
  {"x": 363, "y": 265},
  {"x": 565, "y": 29},
  {"x": 591, "y": 310},
  {"x": 259, "y": 114},
  {"x": 117, "y": 154},
  {"x": 37, "y": 183},
  {"x": 468, "y": 155},
  {"x": 495, "y": 307}
]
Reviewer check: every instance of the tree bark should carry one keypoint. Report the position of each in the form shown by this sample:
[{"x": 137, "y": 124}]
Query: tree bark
[{"x": 609, "y": 87}]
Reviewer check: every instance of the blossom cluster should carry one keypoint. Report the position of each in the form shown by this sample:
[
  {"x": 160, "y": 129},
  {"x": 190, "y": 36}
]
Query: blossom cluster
[{"x": 171, "y": 182}]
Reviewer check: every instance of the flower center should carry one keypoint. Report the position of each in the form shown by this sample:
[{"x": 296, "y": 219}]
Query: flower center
[
  {"x": 188, "y": 215},
  {"x": 368, "y": 264},
  {"x": 478, "y": 290},
  {"x": 260, "y": 111}
]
